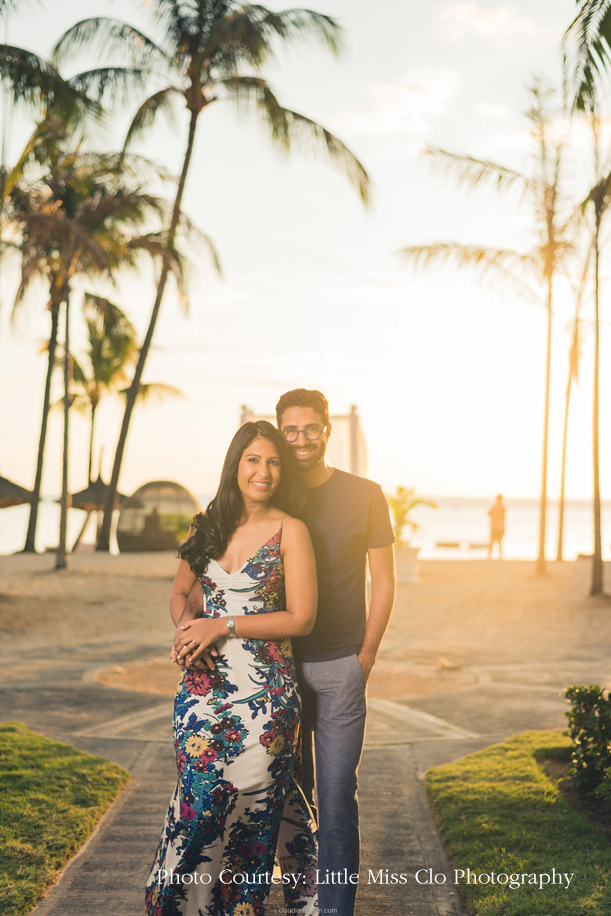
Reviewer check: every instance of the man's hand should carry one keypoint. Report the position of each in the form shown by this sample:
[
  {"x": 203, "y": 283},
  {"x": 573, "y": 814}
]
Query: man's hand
[
  {"x": 203, "y": 663},
  {"x": 382, "y": 570},
  {"x": 366, "y": 661}
]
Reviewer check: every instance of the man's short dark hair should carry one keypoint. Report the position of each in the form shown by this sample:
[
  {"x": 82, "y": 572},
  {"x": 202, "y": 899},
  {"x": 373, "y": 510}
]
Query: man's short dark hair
[{"x": 303, "y": 397}]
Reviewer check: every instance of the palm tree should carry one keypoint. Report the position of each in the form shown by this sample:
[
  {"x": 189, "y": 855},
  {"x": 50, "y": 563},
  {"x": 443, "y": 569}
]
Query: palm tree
[
  {"x": 587, "y": 60},
  {"x": 81, "y": 214},
  {"x": 554, "y": 224},
  {"x": 27, "y": 80},
  {"x": 575, "y": 352},
  {"x": 572, "y": 377},
  {"x": 600, "y": 199},
  {"x": 111, "y": 339},
  {"x": 112, "y": 350},
  {"x": 207, "y": 43}
]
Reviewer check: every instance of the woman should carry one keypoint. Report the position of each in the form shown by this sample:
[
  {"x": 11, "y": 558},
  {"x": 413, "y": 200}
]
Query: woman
[{"x": 236, "y": 725}]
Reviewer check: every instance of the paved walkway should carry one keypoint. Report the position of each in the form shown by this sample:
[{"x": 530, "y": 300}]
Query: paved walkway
[{"x": 57, "y": 694}]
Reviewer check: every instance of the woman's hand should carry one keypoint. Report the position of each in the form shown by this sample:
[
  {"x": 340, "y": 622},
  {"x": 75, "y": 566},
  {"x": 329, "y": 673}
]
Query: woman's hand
[
  {"x": 194, "y": 637},
  {"x": 204, "y": 662}
]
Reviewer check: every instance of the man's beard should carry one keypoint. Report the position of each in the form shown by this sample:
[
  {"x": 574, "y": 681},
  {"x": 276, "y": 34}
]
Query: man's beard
[{"x": 315, "y": 457}]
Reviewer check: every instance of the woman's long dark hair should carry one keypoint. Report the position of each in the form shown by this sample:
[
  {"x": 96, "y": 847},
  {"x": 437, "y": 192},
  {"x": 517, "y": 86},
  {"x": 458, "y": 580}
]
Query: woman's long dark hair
[{"x": 214, "y": 528}]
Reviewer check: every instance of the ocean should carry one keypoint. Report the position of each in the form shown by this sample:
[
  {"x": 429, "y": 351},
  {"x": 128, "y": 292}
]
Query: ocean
[{"x": 458, "y": 521}]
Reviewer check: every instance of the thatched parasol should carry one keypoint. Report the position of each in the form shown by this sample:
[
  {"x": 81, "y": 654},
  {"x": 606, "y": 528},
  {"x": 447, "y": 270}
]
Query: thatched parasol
[
  {"x": 11, "y": 494},
  {"x": 93, "y": 497}
]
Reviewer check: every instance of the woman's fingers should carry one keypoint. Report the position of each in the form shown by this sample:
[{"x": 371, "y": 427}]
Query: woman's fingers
[
  {"x": 187, "y": 639},
  {"x": 188, "y": 644},
  {"x": 191, "y": 644}
]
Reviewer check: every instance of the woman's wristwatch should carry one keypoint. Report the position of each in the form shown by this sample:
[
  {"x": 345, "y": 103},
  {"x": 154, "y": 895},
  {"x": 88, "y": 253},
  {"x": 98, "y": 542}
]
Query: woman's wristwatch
[{"x": 231, "y": 625}]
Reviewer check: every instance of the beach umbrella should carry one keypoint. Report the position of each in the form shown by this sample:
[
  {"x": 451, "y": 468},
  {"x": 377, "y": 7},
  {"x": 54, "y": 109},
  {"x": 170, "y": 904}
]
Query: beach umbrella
[
  {"x": 91, "y": 499},
  {"x": 11, "y": 494}
]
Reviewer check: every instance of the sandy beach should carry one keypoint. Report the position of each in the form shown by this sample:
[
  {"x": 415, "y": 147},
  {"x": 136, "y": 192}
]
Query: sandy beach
[{"x": 458, "y": 616}]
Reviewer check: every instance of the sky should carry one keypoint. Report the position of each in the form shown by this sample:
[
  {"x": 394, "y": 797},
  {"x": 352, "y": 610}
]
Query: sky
[{"x": 447, "y": 370}]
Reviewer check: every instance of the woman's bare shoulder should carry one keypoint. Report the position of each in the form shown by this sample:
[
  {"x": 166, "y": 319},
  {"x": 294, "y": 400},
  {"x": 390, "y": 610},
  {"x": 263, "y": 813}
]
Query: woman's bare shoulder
[{"x": 294, "y": 527}]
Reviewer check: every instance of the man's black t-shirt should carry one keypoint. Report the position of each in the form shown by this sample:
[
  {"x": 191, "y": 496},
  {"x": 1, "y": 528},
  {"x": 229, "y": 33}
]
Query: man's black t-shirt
[{"x": 346, "y": 516}]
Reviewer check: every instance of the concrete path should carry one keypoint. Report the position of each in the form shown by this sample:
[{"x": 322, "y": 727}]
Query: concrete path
[{"x": 56, "y": 693}]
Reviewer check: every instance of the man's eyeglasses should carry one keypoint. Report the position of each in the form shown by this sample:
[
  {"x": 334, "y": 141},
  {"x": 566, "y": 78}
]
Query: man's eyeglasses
[{"x": 311, "y": 432}]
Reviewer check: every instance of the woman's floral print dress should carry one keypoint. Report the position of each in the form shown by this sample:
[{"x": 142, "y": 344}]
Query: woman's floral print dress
[{"x": 236, "y": 734}]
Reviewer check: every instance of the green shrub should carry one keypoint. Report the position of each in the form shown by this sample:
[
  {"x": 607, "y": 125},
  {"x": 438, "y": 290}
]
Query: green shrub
[{"x": 590, "y": 732}]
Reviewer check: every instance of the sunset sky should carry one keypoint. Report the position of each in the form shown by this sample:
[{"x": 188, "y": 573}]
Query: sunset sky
[{"x": 447, "y": 371}]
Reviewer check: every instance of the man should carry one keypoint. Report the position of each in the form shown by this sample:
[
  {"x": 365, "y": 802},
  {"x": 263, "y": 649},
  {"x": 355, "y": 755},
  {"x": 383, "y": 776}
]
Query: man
[{"x": 349, "y": 524}]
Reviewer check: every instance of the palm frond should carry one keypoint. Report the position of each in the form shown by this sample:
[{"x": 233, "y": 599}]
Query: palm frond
[
  {"x": 599, "y": 196},
  {"x": 473, "y": 171},
  {"x": 11, "y": 6},
  {"x": 78, "y": 373},
  {"x": 587, "y": 54},
  {"x": 160, "y": 102},
  {"x": 133, "y": 166},
  {"x": 155, "y": 245},
  {"x": 77, "y": 401},
  {"x": 467, "y": 255},
  {"x": 196, "y": 236},
  {"x": 32, "y": 81},
  {"x": 155, "y": 392},
  {"x": 246, "y": 35},
  {"x": 109, "y": 317},
  {"x": 290, "y": 129},
  {"x": 118, "y": 82},
  {"x": 181, "y": 24},
  {"x": 299, "y": 24},
  {"x": 106, "y": 35},
  {"x": 497, "y": 263}
]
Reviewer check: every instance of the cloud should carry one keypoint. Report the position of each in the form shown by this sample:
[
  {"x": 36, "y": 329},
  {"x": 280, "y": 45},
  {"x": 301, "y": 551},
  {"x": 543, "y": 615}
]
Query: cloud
[
  {"x": 502, "y": 25},
  {"x": 401, "y": 110},
  {"x": 494, "y": 111}
]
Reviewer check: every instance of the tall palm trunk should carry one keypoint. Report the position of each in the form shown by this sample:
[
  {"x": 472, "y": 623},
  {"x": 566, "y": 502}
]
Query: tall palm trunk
[
  {"x": 81, "y": 532},
  {"x": 89, "y": 478},
  {"x": 93, "y": 410},
  {"x": 597, "y": 562},
  {"x": 543, "y": 498},
  {"x": 559, "y": 554},
  {"x": 103, "y": 542},
  {"x": 30, "y": 538},
  {"x": 62, "y": 553}
]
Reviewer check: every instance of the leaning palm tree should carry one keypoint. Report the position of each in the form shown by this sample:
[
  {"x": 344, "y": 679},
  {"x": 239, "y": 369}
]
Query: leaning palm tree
[
  {"x": 555, "y": 223},
  {"x": 207, "y": 45},
  {"x": 82, "y": 214}
]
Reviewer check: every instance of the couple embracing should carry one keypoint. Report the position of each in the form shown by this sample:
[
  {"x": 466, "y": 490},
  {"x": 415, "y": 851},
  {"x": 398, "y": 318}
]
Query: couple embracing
[{"x": 276, "y": 646}]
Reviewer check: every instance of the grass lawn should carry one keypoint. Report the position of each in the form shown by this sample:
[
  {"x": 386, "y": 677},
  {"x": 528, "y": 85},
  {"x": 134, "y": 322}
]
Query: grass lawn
[
  {"x": 500, "y": 812},
  {"x": 51, "y": 796}
]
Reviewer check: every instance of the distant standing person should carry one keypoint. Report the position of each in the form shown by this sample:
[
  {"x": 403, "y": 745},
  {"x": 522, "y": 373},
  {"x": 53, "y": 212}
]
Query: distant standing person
[{"x": 497, "y": 525}]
